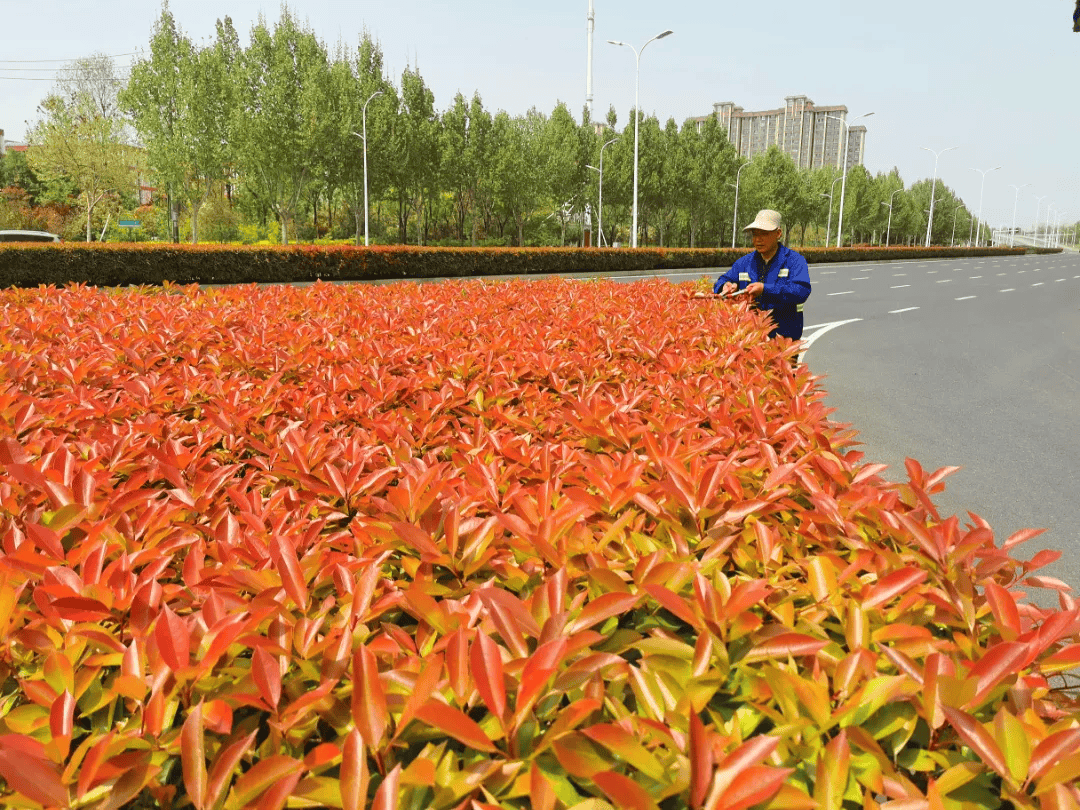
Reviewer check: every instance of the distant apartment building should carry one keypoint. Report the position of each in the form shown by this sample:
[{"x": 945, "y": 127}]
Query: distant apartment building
[{"x": 811, "y": 135}]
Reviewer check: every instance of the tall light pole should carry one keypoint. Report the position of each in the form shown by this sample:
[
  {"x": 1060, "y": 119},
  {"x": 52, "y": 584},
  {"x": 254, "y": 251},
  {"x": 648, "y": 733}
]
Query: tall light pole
[
  {"x": 933, "y": 189},
  {"x": 1035, "y": 232},
  {"x": 843, "y": 184},
  {"x": 735, "y": 216},
  {"x": 828, "y": 227},
  {"x": 982, "y": 186},
  {"x": 600, "y": 205},
  {"x": 363, "y": 137},
  {"x": 955, "y": 211},
  {"x": 1016, "y": 197},
  {"x": 637, "y": 117},
  {"x": 888, "y": 231}
]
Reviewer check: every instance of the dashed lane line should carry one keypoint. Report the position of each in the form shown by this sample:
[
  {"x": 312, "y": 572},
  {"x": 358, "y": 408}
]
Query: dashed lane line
[
  {"x": 845, "y": 292},
  {"x": 899, "y": 286},
  {"x": 1009, "y": 289},
  {"x": 944, "y": 280},
  {"x": 964, "y": 298},
  {"x": 898, "y": 311},
  {"x": 1037, "y": 284},
  {"x": 973, "y": 277}
]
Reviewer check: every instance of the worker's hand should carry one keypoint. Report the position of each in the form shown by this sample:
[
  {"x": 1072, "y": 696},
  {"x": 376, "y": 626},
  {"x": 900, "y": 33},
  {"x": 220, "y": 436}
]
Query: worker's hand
[
  {"x": 728, "y": 288},
  {"x": 755, "y": 289}
]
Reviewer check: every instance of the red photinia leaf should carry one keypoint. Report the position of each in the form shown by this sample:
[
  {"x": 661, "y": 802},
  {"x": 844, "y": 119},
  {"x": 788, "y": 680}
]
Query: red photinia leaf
[
  {"x": 454, "y": 723},
  {"x": 998, "y": 663},
  {"x": 542, "y": 795},
  {"x": 283, "y": 554},
  {"x": 266, "y": 672},
  {"x": 368, "y": 698},
  {"x": 623, "y": 791},
  {"x": 487, "y": 671},
  {"x": 224, "y": 765},
  {"x": 80, "y": 609},
  {"x": 602, "y": 608},
  {"x": 173, "y": 639},
  {"x": 386, "y": 797},
  {"x": 33, "y": 776},
  {"x": 354, "y": 773},
  {"x": 540, "y": 666},
  {"x": 784, "y": 645},
  {"x": 62, "y": 719},
  {"x": 701, "y": 761},
  {"x": 264, "y": 775},
  {"x": 1003, "y": 606},
  {"x": 193, "y": 756},
  {"x": 751, "y": 786},
  {"x": 892, "y": 585},
  {"x": 1052, "y": 750},
  {"x": 425, "y": 685},
  {"x": 91, "y": 763},
  {"x": 978, "y": 739}
]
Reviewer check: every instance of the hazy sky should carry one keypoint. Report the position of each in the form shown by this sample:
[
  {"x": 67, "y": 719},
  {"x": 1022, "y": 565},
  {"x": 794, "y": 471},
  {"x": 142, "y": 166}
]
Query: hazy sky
[{"x": 995, "y": 78}]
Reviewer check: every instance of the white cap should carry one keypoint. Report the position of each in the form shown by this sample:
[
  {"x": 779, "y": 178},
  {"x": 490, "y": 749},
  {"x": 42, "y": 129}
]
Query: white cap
[{"x": 766, "y": 220}]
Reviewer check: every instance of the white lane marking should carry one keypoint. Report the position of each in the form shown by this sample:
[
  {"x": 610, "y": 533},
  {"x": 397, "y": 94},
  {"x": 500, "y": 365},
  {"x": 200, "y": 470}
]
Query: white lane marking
[
  {"x": 897, "y": 275},
  {"x": 964, "y": 298},
  {"x": 930, "y": 272},
  {"x": 1037, "y": 284},
  {"x": 899, "y": 286},
  {"x": 898, "y": 311},
  {"x": 1021, "y": 271},
  {"x": 860, "y": 278},
  {"x": 1010, "y": 289},
  {"x": 1058, "y": 279},
  {"x": 845, "y": 292},
  {"x": 821, "y": 330},
  {"x": 974, "y": 276},
  {"x": 1001, "y": 274},
  {"x": 826, "y": 272},
  {"x": 944, "y": 280}
]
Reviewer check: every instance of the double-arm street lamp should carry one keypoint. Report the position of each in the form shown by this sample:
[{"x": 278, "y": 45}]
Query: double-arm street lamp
[
  {"x": 1016, "y": 198},
  {"x": 843, "y": 176},
  {"x": 637, "y": 116},
  {"x": 363, "y": 137},
  {"x": 888, "y": 231},
  {"x": 600, "y": 205},
  {"x": 983, "y": 172},
  {"x": 933, "y": 188}
]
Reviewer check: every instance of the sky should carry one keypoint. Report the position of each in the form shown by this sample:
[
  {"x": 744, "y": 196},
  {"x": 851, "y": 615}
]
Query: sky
[{"x": 994, "y": 78}]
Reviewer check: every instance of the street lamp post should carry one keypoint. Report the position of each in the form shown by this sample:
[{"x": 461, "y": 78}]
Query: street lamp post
[
  {"x": 735, "y": 216},
  {"x": 363, "y": 137},
  {"x": 828, "y": 227},
  {"x": 983, "y": 172},
  {"x": 933, "y": 189},
  {"x": 1016, "y": 197},
  {"x": 955, "y": 211},
  {"x": 888, "y": 231},
  {"x": 843, "y": 184},
  {"x": 600, "y": 205},
  {"x": 637, "y": 117},
  {"x": 1035, "y": 232}
]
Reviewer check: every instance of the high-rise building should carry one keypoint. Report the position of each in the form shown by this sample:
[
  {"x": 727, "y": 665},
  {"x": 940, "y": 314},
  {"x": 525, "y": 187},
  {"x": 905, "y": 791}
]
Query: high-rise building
[{"x": 811, "y": 135}]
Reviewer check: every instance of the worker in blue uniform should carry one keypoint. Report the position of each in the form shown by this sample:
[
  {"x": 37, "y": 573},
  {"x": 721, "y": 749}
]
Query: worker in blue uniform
[{"x": 774, "y": 275}]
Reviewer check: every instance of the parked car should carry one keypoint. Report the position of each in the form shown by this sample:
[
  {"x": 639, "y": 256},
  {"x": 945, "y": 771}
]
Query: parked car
[{"x": 28, "y": 236}]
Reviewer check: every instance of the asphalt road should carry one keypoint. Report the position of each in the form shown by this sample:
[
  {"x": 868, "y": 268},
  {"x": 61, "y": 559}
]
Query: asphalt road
[{"x": 972, "y": 363}]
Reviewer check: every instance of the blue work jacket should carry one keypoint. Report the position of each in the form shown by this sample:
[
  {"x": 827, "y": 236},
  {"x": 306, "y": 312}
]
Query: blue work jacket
[{"x": 787, "y": 286}]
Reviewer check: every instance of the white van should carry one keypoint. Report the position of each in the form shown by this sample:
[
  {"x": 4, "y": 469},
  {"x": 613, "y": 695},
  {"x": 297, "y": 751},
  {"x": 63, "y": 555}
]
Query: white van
[{"x": 28, "y": 236}]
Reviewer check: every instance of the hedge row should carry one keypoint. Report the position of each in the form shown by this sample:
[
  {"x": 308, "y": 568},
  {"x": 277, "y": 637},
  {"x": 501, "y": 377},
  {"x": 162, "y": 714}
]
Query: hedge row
[{"x": 25, "y": 265}]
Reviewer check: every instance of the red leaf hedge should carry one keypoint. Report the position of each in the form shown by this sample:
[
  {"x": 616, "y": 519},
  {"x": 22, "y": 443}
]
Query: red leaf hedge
[{"x": 540, "y": 544}]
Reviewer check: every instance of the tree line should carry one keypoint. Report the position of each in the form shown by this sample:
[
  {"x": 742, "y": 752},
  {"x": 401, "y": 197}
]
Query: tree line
[{"x": 267, "y": 141}]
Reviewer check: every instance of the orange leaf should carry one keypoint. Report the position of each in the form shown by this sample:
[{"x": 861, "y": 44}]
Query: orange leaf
[
  {"x": 1003, "y": 606},
  {"x": 263, "y": 775},
  {"x": 701, "y": 761},
  {"x": 193, "y": 756},
  {"x": 1053, "y": 750},
  {"x": 266, "y": 672},
  {"x": 283, "y": 553},
  {"x": 34, "y": 777},
  {"x": 354, "y": 773},
  {"x": 173, "y": 639},
  {"x": 749, "y": 787},
  {"x": 368, "y": 698},
  {"x": 978, "y": 739},
  {"x": 224, "y": 765},
  {"x": 456, "y": 724},
  {"x": 601, "y": 608},
  {"x": 892, "y": 585},
  {"x": 386, "y": 797},
  {"x": 623, "y": 791},
  {"x": 997, "y": 664},
  {"x": 487, "y": 672},
  {"x": 785, "y": 644}
]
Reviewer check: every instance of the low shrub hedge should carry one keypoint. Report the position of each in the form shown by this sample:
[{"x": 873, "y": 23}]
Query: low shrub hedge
[
  {"x": 488, "y": 545},
  {"x": 135, "y": 264}
]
